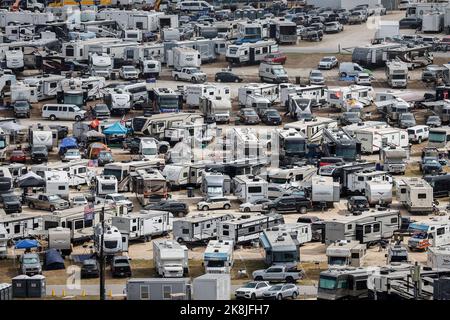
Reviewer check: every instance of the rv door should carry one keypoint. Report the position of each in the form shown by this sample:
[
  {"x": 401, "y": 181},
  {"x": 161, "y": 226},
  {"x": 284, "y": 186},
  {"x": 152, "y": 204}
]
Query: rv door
[{"x": 368, "y": 232}]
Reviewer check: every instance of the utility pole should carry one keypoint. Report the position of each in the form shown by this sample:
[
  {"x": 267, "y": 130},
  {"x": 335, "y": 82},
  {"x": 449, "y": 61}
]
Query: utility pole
[{"x": 102, "y": 257}]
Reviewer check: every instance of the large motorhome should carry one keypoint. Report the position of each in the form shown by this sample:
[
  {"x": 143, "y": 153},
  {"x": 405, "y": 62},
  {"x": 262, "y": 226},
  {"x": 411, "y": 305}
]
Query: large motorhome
[
  {"x": 345, "y": 253},
  {"x": 164, "y": 100},
  {"x": 193, "y": 93},
  {"x": 250, "y": 53},
  {"x": 339, "y": 143},
  {"x": 415, "y": 194},
  {"x": 281, "y": 243},
  {"x": 397, "y": 74},
  {"x": 313, "y": 130},
  {"x": 439, "y": 138},
  {"x": 198, "y": 228},
  {"x": 218, "y": 256},
  {"x": 252, "y": 94},
  {"x": 144, "y": 225},
  {"x": 215, "y": 184},
  {"x": 148, "y": 185},
  {"x": 340, "y": 97},
  {"x": 247, "y": 228},
  {"x": 370, "y": 227},
  {"x": 289, "y": 143},
  {"x": 438, "y": 257}
]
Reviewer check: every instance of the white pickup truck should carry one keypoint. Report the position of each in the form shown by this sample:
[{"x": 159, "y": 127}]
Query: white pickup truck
[{"x": 193, "y": 75}]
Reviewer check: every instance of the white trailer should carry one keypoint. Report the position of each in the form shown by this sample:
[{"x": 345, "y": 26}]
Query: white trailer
[
  {"x": 4, "y": 239},
  {"x": 249, "y": 188},
  {"x": 57, "y": 182},
  {"x": 250, "y": 53},
  {"x": 216, "y": 109},
  {"x": 247, "y": 93},
  {"x": 438, "y": 257},
  {"x": 415, "y": 194},
  {"x": 20, "y": 225},
  {"x": 59, "y": 238},
  {"x": 144, "y": 225},
  {"x": 324, "y": 190},
  {"x": 397, "y": 74},
  {"x": 433, "y": 21},
  {"x": 373, "y": 139},
  {"x": 218, "y": 256},
  {"x": 378, "y": 192},
  {"x": 212, "y": 287},
  {"x": 313, "y": 130},
  {"x": 345, "y": 253},
  {"x": 193, "y": 93},
  {"x": 339, "y": 97},
  {"x": 46, "y": 86},
  {"x": 170, "y": 258},
  {"x": 198, "y": 227},
  {"x": 183, "y": 57}
]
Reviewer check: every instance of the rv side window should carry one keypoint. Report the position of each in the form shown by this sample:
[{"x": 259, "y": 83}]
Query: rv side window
[
  {"x": 422, "y": 196},
  {"x": 79, "y": 224},
  {"x": 61, "y": 188},
  {"x": 360, "y": 178},
  {"x": 226, "y": 232},
  {"x": 403, "y": 190},
  {"x": 17, "y": 228},
  {"x": 185, "y": 231},
  {"x": 135, "y": 228},
  {"x": 342, "y": 284},
  {"x": 53, "y": 85},
  {"x": 185, "y": 174},
  {"x": 367, "y": 229},
  {"x": 361, "y": 285},
  {"x": 349, "y": 227},
  {"x": 394, "y": 220},
  {"x": 376, "y": 227},
  {"x": 145, "y": 292},
  {"x": 88, "y": 223},
  {"x": 69, "y": 225},
  {"x": 440, "y": 231},
  {"x": 251, "y": 229},
  {"x": 51, "y": 108},
  {"x": 254, "y": 189}
]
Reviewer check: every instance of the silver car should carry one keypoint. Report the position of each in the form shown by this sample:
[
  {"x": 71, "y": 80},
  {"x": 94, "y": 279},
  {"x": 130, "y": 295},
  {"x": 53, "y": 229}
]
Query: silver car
[
  {"x": 255, "y": 205},
  {"x": 282, "y": 291},
  {"x": 316, "y": 77},
  {"x": 328, "y": 62}
]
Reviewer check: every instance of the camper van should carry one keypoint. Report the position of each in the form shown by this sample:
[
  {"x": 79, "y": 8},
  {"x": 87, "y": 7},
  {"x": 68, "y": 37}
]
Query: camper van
[{"x": 272, "y": 72}]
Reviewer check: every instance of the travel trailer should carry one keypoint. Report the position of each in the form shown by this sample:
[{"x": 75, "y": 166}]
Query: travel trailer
[
  {"x": 378, "y": 192},
  {"x": 374, "y": 139},
  {"x": 313, "y": 130},
  {"x": 4, "y": 239},
  {"x": 246, "y": 228},
  {"x": 198, "y": 228},
  {"x": 144, "y": 225},
  {"x": 397, "y": 74},
  {"x": 114, "y": 243},
  {"x": 149, "y": 185},
  {"x": 59, "y": 238},
  {"x": 21, "y": 225},
  {"x": 170, "y": 258},
  {"x": 218, "y": 256},
  {"x": 182, "y": 57},
  {"x": 370, "y": 227},
  {"x": 250, "y": 53},
  {"x": 57, "y": 182},
  {"x": 155, "y": 125},
  {"x": 415, "y": 194},
  {"x": 438, "y": 257},
  {"x": 46, "y": 86}
]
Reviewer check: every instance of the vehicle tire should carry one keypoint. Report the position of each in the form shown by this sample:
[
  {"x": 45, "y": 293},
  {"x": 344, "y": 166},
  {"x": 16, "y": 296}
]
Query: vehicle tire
[
  {"x": 259, "y": 278},
  {"x": 193, "y": 80},
  {"x": 253, "y": 296},
  {"x": 180, "y": 240},
  {"x": 343, "y": 74},
  {"x": 290, "y": 279},
  {"x": 218, "y": 80},
  {"x": 237, "y": 80},
  {"x": 279, "y": 297},
  {"x": 31, "y": 205},
  {"x": 227, "y": 206},
  {"x": 419, "y": 141},
  {"x": 52, "y": 208},
  {"x": 247, "y": 209},
  {"x": 52, "y": 117},
  {"x": 147, "y": 238},
  {"x": 78, "y": 118},
  {"x": 176, "y": 77},
  {"x": 273, "y": 211},
  {"x": 294, "y": 295},
  {"x": 205, "y": 208},
  {"x": 303, "y": 210}
]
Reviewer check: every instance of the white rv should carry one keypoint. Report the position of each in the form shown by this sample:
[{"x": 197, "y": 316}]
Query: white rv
[
  {"x": 397, "y": 74},
  {"x": 182, "y": 57},
  {"x": 345, "y": 253},
  {"x": 170, "y": 258},
  {"x": 438, "y": 257},
  {"x": 4, "y": 239},
  {"x": 218, "y": 256},
  {"x": 101, "y": 65},
  {"x": 144, "y": 225},
  {"x": 313, "y": 130},
  {"x": 434, "y": 232},
  {"x": 250, "y": 53},
  {"x": 415, "y": 194},
  {"x": 193, "y": 93},
  {"x": 249, "y": 188},
  {"x": 375, "y": 138},
  {"x": 57, "y": 182}
]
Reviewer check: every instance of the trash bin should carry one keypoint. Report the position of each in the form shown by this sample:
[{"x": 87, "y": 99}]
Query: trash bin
[
  {"x": 297, "y": 80},
  {"x": 190, "y": 192}
]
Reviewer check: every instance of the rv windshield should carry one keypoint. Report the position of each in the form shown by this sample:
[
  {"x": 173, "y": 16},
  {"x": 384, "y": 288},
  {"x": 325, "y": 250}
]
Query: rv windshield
[
  {"x": 286, "y": 256},
  {"x": 30, "y": 261},
  {"x": 216, "y": 264},
  {"x": 294, "y": 145},
  {"x": 327, "y": 282},
  {"x": 2, "y": 143},
  {"x": 347, "y": 152},
  {"x": 74, "y": 98},
  {"x": 399, "y": 76},
  {"x": 168, "y": 102},
  {"x": 337, "y": 261},
  {"x": 436, "y": 136},
  {"x": 113, "y": 172}
]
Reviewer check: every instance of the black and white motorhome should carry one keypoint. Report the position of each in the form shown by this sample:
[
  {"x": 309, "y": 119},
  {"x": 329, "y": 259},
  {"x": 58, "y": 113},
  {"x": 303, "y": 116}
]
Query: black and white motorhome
[
  {"x": 339, "y": 143},
  {"x": 247, "y": 228},
  {"x": 370, "y": 227},
  {"x": 291, "y": 144},
  {"x": 218, "y": 256},
  {"x": 282, "y": 243},
  {"x": 144, "y": 225},
  {"x": 198, "y": 228}
]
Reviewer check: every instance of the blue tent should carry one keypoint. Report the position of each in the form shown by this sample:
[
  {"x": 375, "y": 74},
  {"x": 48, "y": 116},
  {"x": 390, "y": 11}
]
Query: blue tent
[
  {"x": 27, "y": 244},
  {"x": 66, "y": 144},
  {"x": 116, "y": 128},
  {"x": 53, "y": 260}
]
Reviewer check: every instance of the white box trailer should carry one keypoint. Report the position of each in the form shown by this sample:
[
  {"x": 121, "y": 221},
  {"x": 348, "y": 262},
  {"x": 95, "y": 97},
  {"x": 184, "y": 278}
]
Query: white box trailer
[
  {"x": 415, "y": 194},
  {"x": 144, "y": 225},
  {"x": 374, "y": 138},
  {"x": 183, "y": 57},
  {"x": 433, "y": 22},
  {"x": 387, "y": 29},
  {"x": 193, "y": 93},
  {"x": 378, "y": 192},
  {"x": 59, "y": 238},
  {"x": 324, "y": 190},
  {"x": 212, "y": 287}
]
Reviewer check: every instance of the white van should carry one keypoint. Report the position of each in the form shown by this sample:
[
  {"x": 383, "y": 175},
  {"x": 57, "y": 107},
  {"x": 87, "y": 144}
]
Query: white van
[
  {"x": 63, "y": 112},
  {"x": 349, "y": 69},
  {"x": 418, "y": 133},
  {"x": 194, "y": 6}
]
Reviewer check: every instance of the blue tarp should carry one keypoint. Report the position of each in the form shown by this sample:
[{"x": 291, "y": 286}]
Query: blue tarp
[
  {"x": 27, "y": 244},
  {"x": 53, "y": 260},
  {"x": 116, "y": 128},
  {"x": 67, "y": 143}
]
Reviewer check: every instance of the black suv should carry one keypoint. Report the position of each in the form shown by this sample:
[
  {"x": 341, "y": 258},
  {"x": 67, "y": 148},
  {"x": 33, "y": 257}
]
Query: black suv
[
  {"x": 11, "y": 203},
  {"x": 90, "y": 269},
  {"x": 293, "y": 203},
  {"x": 357, "y": 203},
  {"x": 39, "y": 154},
  {"x": 177, "y": 208}
]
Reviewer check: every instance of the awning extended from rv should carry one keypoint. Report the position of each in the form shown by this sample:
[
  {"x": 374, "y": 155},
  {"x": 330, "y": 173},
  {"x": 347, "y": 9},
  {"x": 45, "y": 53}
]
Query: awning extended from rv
[
  {"x": 27, "y": 244},
  {"x": 116, "y": 128},
  {"x": 11, "y": 126},
  {"x": 217, "y": 256}
]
